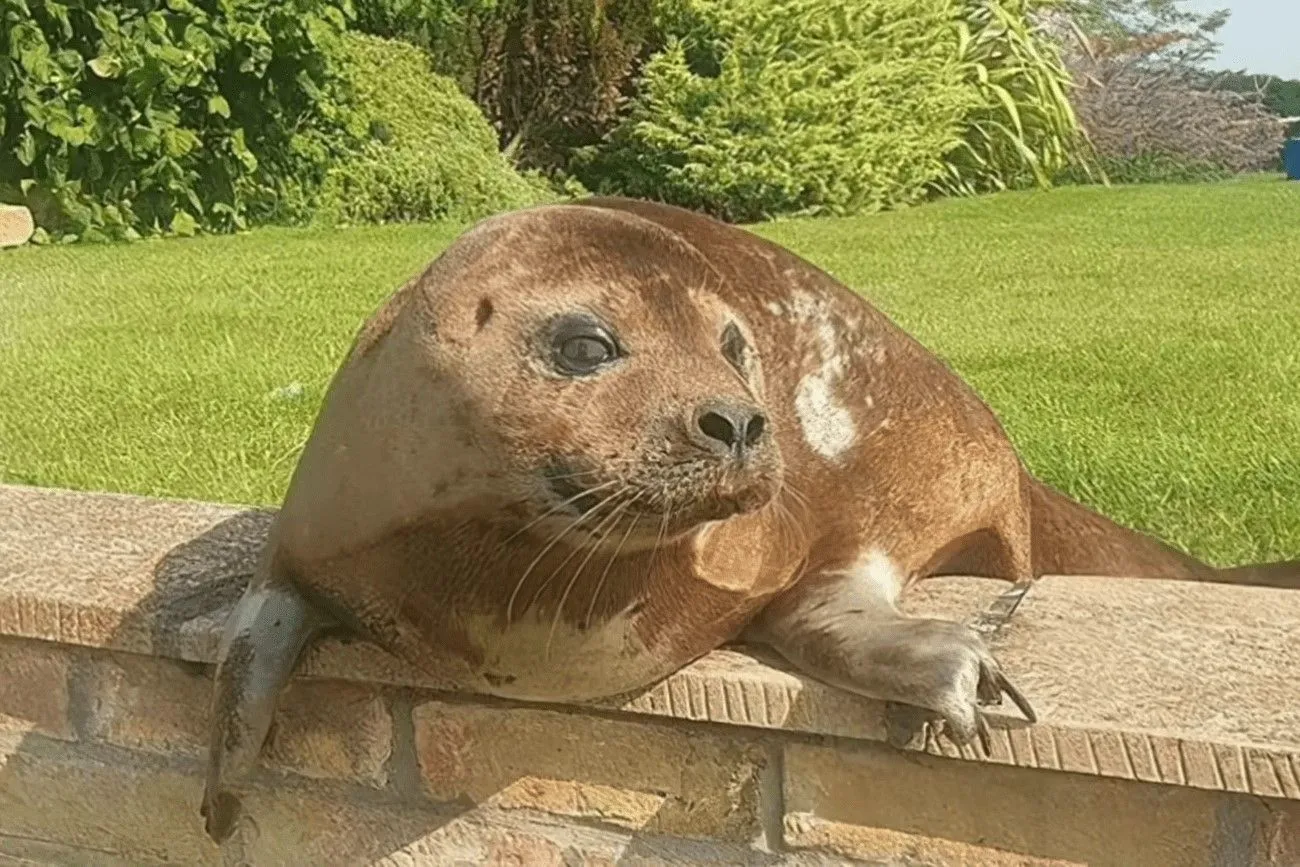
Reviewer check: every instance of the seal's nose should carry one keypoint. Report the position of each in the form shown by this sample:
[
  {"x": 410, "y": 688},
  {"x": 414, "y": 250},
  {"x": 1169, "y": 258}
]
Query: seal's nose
[{"x": 729, "y": 428}]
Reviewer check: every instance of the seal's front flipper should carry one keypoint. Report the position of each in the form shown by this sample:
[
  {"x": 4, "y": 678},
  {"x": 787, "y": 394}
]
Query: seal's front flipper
[
  {"x": 267, "y": 632},
  {"x": 846, "y": 632}
]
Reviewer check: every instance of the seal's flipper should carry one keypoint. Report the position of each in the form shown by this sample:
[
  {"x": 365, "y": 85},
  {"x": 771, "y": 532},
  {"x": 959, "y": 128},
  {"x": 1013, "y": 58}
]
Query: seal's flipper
[
  {"x": 846, "y": 632},
  {"x": 266, "y": 634}
]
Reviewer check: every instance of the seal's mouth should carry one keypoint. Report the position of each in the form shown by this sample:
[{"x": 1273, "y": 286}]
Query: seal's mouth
[{"x": 681, "y": 495}]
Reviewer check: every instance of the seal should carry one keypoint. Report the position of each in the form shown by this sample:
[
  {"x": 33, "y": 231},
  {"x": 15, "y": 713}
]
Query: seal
[{"x": 592, "y": 442}]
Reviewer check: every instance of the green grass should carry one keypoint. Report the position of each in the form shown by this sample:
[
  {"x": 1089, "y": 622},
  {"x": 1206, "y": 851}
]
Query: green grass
[{"x": 1141, "y": 344}]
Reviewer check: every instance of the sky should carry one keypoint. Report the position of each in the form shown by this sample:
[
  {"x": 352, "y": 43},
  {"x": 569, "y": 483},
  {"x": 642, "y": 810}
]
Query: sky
[{"x": 1261, "y": 36}]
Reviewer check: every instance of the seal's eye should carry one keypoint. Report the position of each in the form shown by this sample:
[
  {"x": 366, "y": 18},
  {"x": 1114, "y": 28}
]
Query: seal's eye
[
  {"x": 585, "y": 352},
  {"x": 580, "y": 345}
]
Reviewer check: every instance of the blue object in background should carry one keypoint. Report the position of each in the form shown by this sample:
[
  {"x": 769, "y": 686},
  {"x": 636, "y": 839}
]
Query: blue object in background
[{"x": 1291, "y": 158}]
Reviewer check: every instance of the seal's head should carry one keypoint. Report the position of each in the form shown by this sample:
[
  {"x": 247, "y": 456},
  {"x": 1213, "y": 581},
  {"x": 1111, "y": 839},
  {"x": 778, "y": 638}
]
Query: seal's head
[{"x": 610, "y": 387}]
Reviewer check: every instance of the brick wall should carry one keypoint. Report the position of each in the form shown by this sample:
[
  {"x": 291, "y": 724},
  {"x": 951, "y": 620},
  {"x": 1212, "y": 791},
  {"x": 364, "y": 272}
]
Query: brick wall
[{"x": 1190, "y": 759}]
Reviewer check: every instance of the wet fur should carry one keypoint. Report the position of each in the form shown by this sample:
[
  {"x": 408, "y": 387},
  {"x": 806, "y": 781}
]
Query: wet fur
[{"x": 418, "y": 513}]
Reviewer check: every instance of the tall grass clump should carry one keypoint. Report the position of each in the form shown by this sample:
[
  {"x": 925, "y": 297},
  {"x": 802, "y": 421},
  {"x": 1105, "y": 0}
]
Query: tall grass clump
[{"x": 1023, "y": 129}]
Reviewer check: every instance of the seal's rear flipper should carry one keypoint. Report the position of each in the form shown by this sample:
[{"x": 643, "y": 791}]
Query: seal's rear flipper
[
  {"x": 1284, "y": 575},
  {"x": 266, "y": 634}
]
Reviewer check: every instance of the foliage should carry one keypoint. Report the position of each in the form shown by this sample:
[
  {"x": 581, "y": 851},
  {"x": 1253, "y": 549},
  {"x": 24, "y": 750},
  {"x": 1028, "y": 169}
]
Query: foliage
[
  {"x": 550, "y": 75},
  {"x": 1024, "y": 130},
  {"x": 449, "y": 30},
  {"x": 1280, "y": 95},
  {"x": 427, "y": 151},
  {"x": 1150, "y": 24},
  {"x": 765, "y": 107},
  {"x": 136, "y": 117}
]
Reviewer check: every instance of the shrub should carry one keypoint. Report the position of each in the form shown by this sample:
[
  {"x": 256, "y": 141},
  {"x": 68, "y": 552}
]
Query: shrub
[
  {"x": 149, "y": 116},
  {"x": 550, "y": 75},
  {"x": 764, "y": 107},
  {"x": 427, "y": 152},
  {"x": 451, "y": 31}
]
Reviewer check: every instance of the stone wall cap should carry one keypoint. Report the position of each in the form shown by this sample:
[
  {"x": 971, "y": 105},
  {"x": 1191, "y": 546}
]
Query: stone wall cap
[
  {"x": 1180, "y": 683},
  {"x": 16, "y": 225}
]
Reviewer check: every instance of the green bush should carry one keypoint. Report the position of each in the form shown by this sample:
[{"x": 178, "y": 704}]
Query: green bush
[
  {"x": 451, "y": 31},
  {"x": 765, "y": 107},
  {"x": 550, "y": 75},
  {"x": 428, "y": 152},
  {"x": 136, "y": 117}
]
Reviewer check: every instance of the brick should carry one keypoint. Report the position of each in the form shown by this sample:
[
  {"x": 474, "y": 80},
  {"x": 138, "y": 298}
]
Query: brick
[
  {"x": 333, "y": 729},
  {"x": 306, "y": 828},
  {"x": 871, "y": 802},
  {"x": 296, "y": 828},
  {"x": 1284, "y": 833},
  {"x": 25, "y": 852},
  {"x": 142, "y": 813},
  {"x": 34, "y": 688},
  {"x": 324, "y": 729},
  {"x": 147, "y": 703},
  {"x": 669, "y": 780}
]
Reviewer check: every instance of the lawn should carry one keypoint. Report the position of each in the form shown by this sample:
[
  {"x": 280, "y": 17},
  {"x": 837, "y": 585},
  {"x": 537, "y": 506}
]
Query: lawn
[{"x": 1141, "y": 344}]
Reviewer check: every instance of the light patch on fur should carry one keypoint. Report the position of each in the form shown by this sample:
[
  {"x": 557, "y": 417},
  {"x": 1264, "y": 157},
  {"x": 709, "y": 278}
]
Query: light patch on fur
[
  {"x": 827, "y": 424},
  {"x": 529, "y": 662},
  {"x": 870, "y": 585},
  {"x": 775, "y": 308},
  {"x": 878, "y": 576}
]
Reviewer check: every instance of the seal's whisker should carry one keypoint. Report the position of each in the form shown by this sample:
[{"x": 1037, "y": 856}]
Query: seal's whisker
[
  {"x": 600, "y": 585},
  {"x": 788, "y": 520},
  {"x": 614, "y": 512},
  {"x": 659, "y": 539},
  {"x": 510, "y": 606},
  {"x": 573, "y": 475},
  {"x": 782, "y": 516},
  {"x": 618, "y": 513},
  {"x": 557, "y": 507},
  {"x": 788, "y": 487}
]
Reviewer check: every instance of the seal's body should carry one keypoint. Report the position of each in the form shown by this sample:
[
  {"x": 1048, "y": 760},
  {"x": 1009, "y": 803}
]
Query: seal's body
[{"x": 592, "y": 442}]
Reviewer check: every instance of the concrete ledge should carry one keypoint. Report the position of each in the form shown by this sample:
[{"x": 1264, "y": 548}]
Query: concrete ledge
[{"x": 1157, "y": 688}]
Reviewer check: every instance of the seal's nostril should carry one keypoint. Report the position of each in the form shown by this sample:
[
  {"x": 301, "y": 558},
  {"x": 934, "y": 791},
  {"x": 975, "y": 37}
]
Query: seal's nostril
[
  {"x": 737, "y": 427},
  {"x": 718, "y": 427}
]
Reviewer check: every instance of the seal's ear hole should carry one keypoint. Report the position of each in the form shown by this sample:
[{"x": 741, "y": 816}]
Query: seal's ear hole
[
  {"x": 733, "y": 346},
  {"x": 484, "y": 313}
]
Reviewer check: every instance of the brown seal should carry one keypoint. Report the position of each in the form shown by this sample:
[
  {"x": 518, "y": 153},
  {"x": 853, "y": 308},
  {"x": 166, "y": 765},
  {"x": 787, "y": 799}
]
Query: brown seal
[{"x": 592, "y": 442}]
